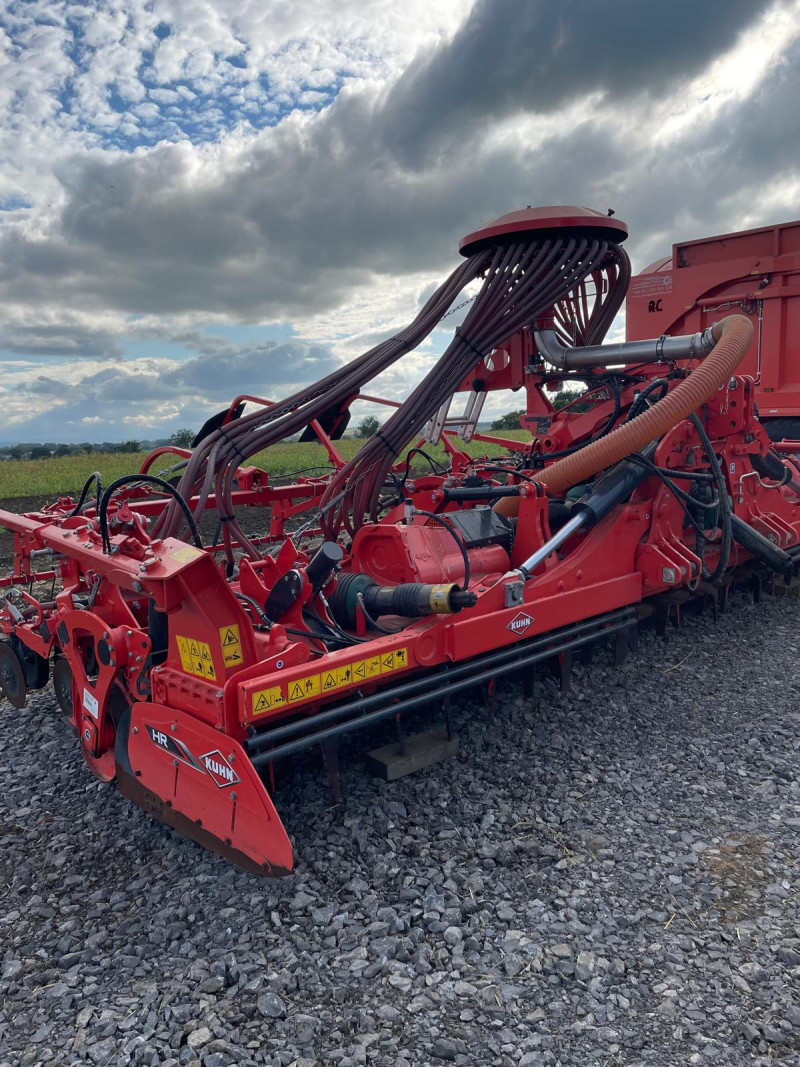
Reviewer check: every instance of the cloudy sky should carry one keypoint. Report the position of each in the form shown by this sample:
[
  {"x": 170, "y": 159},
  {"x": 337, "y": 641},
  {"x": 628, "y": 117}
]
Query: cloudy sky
[{"x": 202, "y": 197}]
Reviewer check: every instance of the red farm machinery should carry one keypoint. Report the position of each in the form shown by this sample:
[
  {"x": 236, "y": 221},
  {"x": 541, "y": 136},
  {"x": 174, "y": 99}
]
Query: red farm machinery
[
  {"x": 755, "y": 273},
  {"x": 395, "y": 582}
]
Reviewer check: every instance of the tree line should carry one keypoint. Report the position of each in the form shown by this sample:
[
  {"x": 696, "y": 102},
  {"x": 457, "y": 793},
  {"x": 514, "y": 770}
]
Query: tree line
[{"x": 48, "y": 449}]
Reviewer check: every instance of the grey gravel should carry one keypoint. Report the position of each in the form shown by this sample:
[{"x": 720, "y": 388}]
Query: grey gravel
[{"x": 608, "y": 878}]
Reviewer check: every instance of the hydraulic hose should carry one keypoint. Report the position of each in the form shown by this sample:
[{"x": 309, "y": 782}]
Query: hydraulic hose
[
  {"x": 732, "y": 337},
  {"x": 583, "y": 275}
]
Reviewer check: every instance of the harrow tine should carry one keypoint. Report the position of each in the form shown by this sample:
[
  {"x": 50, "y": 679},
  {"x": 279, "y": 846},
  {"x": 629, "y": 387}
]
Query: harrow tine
[
  {"x": 724, "y": 588},
  {"x": 710, "y": 595},
  {"x": 330, "y": 756},
  {"x": 528, "y": 678},
  {"x": 622, "y": 647},
  {"x": 448, "y": 716},
  {"x": 565, "y": 660},
  {"x": 401, "y": 734},
  {"x": 489, "y": 694}
]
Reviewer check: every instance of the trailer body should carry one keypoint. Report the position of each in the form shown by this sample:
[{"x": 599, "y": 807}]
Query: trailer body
[{"x": 751, "y": 272}]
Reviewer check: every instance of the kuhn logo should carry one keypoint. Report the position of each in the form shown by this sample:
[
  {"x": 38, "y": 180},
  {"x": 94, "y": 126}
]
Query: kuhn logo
[
  {"x": 173, "y": 746},
  {"x": 520, "y": 623},
  {"x": 219, "y": 768}
]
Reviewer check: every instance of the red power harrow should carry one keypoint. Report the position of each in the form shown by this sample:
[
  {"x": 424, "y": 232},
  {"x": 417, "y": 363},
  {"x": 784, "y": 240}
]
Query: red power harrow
[{"x": 188, "y": 670}]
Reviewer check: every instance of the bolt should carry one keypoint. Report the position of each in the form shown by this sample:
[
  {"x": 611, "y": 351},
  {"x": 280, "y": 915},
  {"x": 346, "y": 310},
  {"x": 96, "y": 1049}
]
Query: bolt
[
  {"x": 219, "y": 694},
  {"x": 135, "y": 730},
  {"x": 129, "y": 633},
  {"x": 232, "y": 757},
  {"x": 173, "y": 727},
  {"x": 669, "y": 575},
  {"x": 233, "y": 796}
]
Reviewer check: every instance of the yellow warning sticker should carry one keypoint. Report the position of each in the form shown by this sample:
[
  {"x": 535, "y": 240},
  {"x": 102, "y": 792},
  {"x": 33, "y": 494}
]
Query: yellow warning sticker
[
  {"x": 363, "y": 670},
  {"x": 344, "y": 675},
  {"x": 196, "y": 657},
  {"x": 185, "y": 554},
  {"x": 304, "y": 688},
  {"x": 267, "y": 699},
  {"x": 328, "y": 681},
  {"x": 231, "y": 645}
]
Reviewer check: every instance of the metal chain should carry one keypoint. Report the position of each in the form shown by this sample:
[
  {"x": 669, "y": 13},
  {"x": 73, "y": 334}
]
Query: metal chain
[{"x": 458, "y": 307}]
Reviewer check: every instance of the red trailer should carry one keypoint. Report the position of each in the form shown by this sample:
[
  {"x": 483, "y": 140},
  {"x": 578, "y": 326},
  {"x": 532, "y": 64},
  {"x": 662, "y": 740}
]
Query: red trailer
[{"x": 752, "y": 272}]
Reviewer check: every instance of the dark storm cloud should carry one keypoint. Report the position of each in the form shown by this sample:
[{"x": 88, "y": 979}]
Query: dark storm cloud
[
  {"x": 297, "y": 218},
  {"x": 722, "y": 175},
  {"x": 239, "y": 369},
  {"x": 251, "y": 368},
  {"x": 74, "y": 340},
  {"x": 513, "y": 56}
]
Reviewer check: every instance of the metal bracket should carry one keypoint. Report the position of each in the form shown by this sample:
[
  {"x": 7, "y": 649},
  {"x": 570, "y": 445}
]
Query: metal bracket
[{"x": 512, "y": 593}]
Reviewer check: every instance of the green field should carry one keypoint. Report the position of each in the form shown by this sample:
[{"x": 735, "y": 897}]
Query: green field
[{"x": 64, "y": 475}]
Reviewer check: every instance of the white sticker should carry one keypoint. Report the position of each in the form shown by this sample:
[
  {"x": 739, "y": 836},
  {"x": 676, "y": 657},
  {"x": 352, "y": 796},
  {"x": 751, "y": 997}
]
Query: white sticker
[{"x": 91, "y": 704}]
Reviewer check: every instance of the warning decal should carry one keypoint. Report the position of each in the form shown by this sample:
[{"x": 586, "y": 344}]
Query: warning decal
[
  {"x": 315, "y": 685},
  {"x": 651, "y": 285},
  {"x": 393, "y": 661},
  {"x": 231, "y": 645},
  {"x": 328, "y": 680},
  {"x": 196, "y": 657},
  {"x": 267, "y": 699},
  {"x": 185, "y": 554},
  {"x": 304, "y": 688}
]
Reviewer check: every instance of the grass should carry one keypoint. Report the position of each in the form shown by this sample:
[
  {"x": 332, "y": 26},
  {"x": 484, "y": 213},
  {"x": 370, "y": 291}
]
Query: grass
[{"x": 65, "y": 475}]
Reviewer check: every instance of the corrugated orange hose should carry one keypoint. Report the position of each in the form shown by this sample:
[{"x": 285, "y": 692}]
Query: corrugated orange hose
[{"x": 732, "y": 335}]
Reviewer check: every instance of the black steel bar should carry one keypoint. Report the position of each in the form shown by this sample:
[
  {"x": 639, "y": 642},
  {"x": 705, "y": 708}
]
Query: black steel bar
[
  {"x": 485, "y": 675},
  {"x": 489, "y": 492},
  {"x": 760, "y": 547},
  {"x": 510, "y": 652}
]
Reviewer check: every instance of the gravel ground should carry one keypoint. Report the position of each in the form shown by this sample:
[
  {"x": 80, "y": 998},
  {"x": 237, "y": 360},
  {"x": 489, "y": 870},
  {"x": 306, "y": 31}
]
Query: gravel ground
[{"x": 610, "y": 879}]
